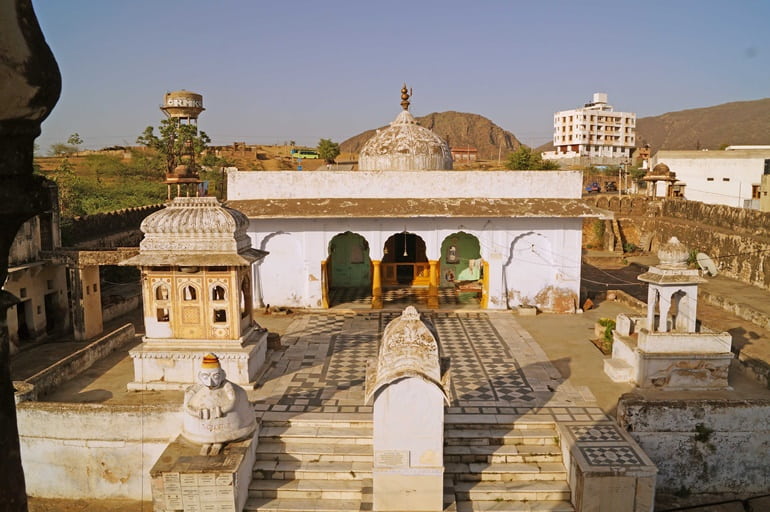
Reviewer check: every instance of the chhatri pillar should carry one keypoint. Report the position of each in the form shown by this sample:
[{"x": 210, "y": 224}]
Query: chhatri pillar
[
  {"x": 376, "y": 284},
  {"x": 433, "y": 302}
]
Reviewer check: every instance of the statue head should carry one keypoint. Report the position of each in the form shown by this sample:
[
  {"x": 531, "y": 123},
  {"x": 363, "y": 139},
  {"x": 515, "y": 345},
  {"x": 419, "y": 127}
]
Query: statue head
[{"x": 211, "y": 373}]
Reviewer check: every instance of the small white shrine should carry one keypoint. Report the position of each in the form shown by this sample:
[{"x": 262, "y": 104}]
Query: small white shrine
[
  {"x": 668, "y": 349},
  {"x": 196, "y": 262}
]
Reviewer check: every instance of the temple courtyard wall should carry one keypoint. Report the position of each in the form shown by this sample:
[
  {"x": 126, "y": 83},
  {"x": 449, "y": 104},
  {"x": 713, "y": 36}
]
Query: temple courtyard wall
[
  {"x": 702, "y": 445},
  {"x": 93, "y": 451}
]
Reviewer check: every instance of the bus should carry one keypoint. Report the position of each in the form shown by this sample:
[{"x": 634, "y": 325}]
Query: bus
[{"x": 305, "y": 153}]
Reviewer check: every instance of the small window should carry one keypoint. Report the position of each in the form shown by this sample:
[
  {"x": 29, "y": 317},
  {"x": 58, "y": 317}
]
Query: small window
[
  {"x": 161, "y": 293},
  {"x": 189, "y": 293},
  {"x": 217, "y": 269},
  {"x": 218, "y": 293},
  {"x": 220, "y": 316},
  {"x": 162, "y": 314},
  {"x": 49, "y": 284},
  {"x": 23, "y": 293},
  {"x": 95, "y": 288},
  {"x": 709, "y": 179},
  {"x": 725, "y": 179}
]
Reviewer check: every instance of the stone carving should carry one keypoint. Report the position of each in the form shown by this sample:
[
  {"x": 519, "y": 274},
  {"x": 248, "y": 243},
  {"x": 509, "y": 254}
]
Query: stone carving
[
  {"x": 408, "y": 349},
  {"x": 216, "y": 411}
]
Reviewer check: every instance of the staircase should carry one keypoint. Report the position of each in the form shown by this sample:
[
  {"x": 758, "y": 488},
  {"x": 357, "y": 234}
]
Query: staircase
[
  {"x": 505, "y": 468},
  {"x": 326, "y": 466},
  {"x": 318, "y": 465}
]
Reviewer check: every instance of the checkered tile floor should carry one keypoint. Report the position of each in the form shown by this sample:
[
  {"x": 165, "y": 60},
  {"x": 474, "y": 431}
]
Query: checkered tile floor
[
  {"x": 322, "y": 362},
  {"x": 397, "y": 297}
]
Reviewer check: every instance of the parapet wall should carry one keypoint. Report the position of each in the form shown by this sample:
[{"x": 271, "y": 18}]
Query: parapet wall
[
  {"x": 103, "y": 229},
  {"x": 244, "y": 185},
  {"x": 702, "y": 446},
  {"x": 93, "y": 451}
]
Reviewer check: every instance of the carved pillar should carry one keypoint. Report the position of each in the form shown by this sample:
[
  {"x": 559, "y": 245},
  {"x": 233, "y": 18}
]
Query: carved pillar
[
  {"x": 31, "y": 87},
  {"x": 325, "y": 284},
  {"x": 433, "y": 285},
  {"x": 663, "y": 308},
  {"x": 376, "y": 285}
]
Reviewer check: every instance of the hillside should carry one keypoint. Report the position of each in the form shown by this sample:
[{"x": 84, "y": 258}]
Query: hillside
[
  {"x": 459, "y": 129},
  {"x": 739, "y": 122}
]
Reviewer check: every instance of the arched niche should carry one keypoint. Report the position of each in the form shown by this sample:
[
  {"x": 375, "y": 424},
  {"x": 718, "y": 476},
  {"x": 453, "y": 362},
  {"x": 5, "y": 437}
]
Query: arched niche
[
  {"x": 460, "y": 259},
  {"x": 348, "y": 263},
  {"x": 281, "y": 273},
  {"x": 530, "y": 271},
  {"x": 404, "y": 261}
]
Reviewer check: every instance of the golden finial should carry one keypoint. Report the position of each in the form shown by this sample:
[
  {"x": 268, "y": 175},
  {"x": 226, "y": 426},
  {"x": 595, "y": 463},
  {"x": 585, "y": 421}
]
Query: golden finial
[{"x": 405, "y": 97}]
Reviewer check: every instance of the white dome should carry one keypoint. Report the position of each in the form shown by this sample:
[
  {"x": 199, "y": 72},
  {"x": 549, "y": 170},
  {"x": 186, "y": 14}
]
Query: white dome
[{"x": 405, "y": 146}]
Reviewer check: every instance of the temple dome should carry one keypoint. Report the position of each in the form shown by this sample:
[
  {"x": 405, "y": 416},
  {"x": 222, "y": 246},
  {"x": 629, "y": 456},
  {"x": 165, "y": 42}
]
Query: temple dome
[
  {"x": 673, "y": 254},
  {"x": 195, "y": 230},
  {"x": 405, "y": 146}
]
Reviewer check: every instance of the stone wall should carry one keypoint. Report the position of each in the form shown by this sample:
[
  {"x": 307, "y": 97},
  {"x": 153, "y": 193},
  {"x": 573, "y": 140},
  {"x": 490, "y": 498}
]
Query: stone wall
[
  {"x": 702, "y": 446},
  {"x": 67, "y": 368},
  {"x": 93, "y": 451},
  {"x": 106, "y": 229},
  {"x": 737, "y": 239}
]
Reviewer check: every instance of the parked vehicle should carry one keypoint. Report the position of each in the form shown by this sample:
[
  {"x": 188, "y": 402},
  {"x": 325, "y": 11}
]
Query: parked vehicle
[
  {"x": 593, "y": 187},
  {"x": 609, "y": 186},
  {"x": 305, "y": 153}
]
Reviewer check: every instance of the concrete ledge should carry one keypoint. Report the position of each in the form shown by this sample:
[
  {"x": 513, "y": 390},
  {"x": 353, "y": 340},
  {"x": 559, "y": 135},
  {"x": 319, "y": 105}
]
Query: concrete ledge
[
  {"x": 606, "y": 468},
  {"x": 61, "y": 371}
]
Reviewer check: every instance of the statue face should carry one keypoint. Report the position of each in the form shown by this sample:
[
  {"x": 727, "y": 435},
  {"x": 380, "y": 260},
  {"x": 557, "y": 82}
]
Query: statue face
[{"x": 212, "y": 378}]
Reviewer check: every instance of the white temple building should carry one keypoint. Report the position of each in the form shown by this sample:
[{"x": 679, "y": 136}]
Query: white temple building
[{"x": 405, "y": 224}]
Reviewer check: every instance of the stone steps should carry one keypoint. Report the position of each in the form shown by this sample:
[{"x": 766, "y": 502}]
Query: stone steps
[
  {"x": 495, "y": 454},
  {"x": 502, "y": 469},
  {"x": 312, "y": 464}
]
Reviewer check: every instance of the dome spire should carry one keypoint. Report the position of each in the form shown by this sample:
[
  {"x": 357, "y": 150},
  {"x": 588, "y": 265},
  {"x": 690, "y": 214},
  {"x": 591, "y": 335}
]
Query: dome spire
[{"x": 405, "y": 97}]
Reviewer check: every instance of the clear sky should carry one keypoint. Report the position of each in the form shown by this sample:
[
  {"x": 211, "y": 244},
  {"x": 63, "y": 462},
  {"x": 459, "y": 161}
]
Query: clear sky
[{"x": 278, "y": 70}]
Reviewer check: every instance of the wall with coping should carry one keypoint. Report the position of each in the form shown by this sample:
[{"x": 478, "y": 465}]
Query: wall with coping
[
  {"x": 702, "y": 446},
  {"x": 65, "y": 369},
  {"x": 402, "y": 184},
  {"x": 93, "y": 451}
]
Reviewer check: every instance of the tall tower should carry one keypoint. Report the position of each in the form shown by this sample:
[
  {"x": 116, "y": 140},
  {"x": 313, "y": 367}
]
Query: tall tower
[{"x": 183, "y": 106}]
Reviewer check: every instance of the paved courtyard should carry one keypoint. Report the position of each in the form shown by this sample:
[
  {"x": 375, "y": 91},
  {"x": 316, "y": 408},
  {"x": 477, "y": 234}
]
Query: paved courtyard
[{"x": 496, "y": 367}]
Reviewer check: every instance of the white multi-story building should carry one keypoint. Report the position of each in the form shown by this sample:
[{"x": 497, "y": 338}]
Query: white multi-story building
[{"x": 595, "y": 131}]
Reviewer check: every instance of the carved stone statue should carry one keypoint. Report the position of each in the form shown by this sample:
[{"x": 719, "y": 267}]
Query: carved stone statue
[{"x": 216, "y": 410}]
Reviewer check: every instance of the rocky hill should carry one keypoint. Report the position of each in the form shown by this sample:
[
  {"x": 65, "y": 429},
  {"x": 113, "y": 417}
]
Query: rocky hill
[
  {"x": 739, "y": 122},
  {"x": 459, "y": 129}
]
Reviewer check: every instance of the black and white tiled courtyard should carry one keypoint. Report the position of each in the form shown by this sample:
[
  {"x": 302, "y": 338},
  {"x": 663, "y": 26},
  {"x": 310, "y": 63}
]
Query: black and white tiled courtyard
[{"x": 497, "y": 368}]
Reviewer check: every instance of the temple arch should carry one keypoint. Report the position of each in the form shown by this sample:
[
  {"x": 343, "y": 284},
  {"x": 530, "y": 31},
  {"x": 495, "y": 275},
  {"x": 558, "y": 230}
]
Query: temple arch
[
  {"x": 348, "y": 261},
  {"x": 460, "y": 259},
  {"x": 404, "y": 261}
]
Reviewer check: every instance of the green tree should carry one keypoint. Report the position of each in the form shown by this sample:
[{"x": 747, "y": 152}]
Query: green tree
[
  {"x": 328, "y": 150},
  {"x": 524, "y": 159},
  {"x": 75, "y": 141},
  {"x": 175, "y": 141}
]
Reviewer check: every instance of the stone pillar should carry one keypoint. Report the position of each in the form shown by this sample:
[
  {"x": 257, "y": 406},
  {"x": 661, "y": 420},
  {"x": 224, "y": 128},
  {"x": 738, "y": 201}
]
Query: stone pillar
[
  {"x": 376, "y": 285},
  {"x": 484, "y": 284},
  {"x": 86, "y": 303},
  {"x": 433, "y": 286},
  {"x": 651, "y": 293},
  {"x": 664, "y": 305}
]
